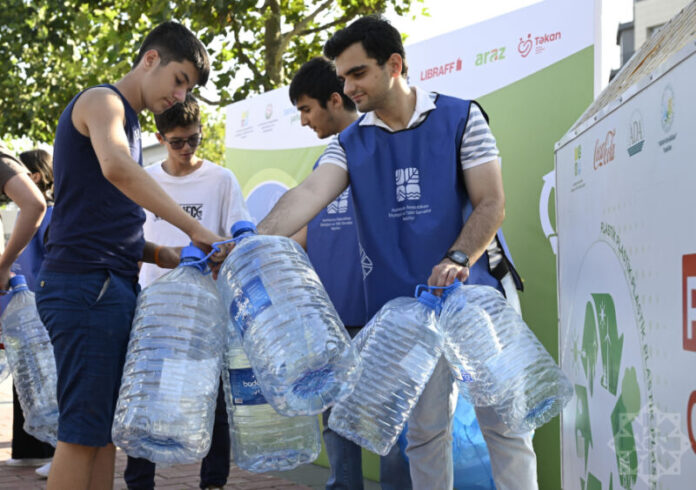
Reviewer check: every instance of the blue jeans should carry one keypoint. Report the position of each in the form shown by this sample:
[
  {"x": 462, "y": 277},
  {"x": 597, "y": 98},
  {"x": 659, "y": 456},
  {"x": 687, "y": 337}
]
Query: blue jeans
[
  {"x": 88, "y": 317},
  {"x": 345, "y": 462},
  {"x": 215, "y": 467}
]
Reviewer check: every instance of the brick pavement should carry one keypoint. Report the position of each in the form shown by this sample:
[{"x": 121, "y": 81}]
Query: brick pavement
[{"x": 173, "y": 477}]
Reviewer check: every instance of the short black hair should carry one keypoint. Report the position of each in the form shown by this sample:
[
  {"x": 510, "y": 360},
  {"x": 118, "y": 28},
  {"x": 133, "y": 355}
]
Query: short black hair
[
  {"x": 378, "y": 37},
  {"x": 40, "y": 161},
  {"x": 174, "y": 42},
  {"x": 180, "y": 115},
  {"x": 317, "y": 79}
]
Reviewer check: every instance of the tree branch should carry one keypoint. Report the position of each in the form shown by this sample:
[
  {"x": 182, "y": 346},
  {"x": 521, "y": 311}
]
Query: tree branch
[
  {"x": 300, "y": 26},
  {"x": 208, "y": 101},
  {"x": 240, "y": 50},
  {"x": 340, "y": 20}
]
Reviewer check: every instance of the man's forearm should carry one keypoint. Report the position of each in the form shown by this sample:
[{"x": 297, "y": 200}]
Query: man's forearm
[
  {"x": 479, "y": 230},
  {"x": 142, "y": 189},
  {"x": 286, "y": 217}
]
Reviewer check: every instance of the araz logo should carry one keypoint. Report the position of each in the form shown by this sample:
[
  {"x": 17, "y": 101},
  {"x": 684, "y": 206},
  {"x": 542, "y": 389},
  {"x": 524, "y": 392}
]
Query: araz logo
[
  {"x": 490, "y": 56},
  {"x": 689, "y": 301},
  {"x": 636, "y": 139},
  {"x": 407, "y": 184},
  {"x": 340, "y": 204},
  {"x": 604, "y": 150}
]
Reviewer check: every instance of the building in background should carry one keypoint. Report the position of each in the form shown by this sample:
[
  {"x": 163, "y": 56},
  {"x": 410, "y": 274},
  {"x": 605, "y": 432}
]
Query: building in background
[{"x": 648, "y": 17}]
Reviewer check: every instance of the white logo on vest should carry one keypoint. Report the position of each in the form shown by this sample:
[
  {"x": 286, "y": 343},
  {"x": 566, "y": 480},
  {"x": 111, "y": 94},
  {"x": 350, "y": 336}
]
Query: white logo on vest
[{"x": 407, "y": 184}]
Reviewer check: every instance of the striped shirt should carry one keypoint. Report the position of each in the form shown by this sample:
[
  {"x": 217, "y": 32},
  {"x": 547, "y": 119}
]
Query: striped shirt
[{"x": 478, "y": 144}]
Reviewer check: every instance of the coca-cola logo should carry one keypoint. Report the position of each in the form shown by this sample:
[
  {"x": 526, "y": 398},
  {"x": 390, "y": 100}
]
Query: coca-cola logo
[{"x": 604, "y": 150}]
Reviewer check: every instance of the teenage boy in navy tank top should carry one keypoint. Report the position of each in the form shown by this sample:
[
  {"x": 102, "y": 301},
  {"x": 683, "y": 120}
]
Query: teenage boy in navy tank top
[
  {"x": 429, "y": 203},
  {"x": 88, "y": 285}
]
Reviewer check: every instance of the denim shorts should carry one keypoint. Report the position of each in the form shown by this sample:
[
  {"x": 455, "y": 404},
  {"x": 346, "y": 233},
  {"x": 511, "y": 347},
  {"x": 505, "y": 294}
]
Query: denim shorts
[{"x": 88, "y": 317}]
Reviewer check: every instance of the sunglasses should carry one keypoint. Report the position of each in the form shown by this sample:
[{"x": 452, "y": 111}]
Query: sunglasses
[{"x": 178, "y": 143}]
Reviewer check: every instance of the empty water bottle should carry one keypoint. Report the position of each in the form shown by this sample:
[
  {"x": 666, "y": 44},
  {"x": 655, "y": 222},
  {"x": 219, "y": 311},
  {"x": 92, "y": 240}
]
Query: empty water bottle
[
  {"x": 400, "y": 347},
  {"x": 32, "y": 363},
  {"x": 512, "y": 371},
  {"x": 166, "y": 403},
  {"x": 262, "y": 439},
  {"x": 294, "y": 339}
]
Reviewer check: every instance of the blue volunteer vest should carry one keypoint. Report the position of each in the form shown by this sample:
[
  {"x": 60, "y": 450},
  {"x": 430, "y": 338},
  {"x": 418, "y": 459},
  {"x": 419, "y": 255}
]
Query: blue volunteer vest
[
  {"x": 94, "y": 225},
  {"x": 332, "y": 246},
  {"x": 410, "y": 200}
]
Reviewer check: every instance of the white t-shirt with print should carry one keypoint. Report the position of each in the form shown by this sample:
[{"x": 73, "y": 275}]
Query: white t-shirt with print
[{"x": 211, "y": 194}]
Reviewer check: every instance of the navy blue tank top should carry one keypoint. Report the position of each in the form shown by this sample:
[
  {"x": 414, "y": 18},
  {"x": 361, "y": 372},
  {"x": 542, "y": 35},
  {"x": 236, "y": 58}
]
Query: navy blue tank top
[{"x": 94, "y": 225}]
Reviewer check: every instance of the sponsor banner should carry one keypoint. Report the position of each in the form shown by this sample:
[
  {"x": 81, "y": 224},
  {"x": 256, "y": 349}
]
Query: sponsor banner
[
  {"x": 627, "y": 291},
  {"x": 487, "y": 56},
  {"x": 267, "y": 121},
  {"x": 533, "y": 90}
]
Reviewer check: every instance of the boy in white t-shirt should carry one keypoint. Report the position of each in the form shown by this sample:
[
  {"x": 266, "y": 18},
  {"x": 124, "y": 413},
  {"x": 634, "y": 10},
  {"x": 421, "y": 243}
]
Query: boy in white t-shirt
[{"x": 211, "y": 194}]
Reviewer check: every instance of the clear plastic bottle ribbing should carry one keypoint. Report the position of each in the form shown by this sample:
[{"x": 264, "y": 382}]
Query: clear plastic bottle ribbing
[
  {"x": 166, "y": 405},
  {"x": 291, "y": 333}
]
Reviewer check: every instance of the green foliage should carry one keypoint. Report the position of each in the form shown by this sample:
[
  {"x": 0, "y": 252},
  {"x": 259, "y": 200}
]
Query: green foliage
[{"x": 51, "y": 49}]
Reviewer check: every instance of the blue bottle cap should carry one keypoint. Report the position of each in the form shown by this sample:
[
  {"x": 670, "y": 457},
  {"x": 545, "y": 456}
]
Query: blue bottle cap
[
  {"x": 18, "y": 281},
  {"x": 191, "y": 253},
  {"x": 242, "y": 227},
  {"x": 430, "y": 300}
]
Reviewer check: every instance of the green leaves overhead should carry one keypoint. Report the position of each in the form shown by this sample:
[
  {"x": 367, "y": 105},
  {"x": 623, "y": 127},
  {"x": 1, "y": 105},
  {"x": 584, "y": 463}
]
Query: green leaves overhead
[{"x": 52, "y": 49}]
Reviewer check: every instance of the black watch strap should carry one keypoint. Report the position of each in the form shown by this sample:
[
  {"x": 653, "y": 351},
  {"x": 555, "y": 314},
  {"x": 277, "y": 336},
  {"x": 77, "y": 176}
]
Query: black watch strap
[{"x": 458, "y": 257}]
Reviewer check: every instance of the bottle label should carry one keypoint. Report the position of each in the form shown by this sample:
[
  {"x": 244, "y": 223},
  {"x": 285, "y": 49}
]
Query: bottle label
[
  {"x": 246, "y": 305},
  {"x": 245, "y": 388},
  {"x": 463, "y": 375}
]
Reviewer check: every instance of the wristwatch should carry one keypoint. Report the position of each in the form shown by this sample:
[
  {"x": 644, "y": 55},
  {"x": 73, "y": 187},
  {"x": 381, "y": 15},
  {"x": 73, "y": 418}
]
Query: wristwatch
[{"x": 458, "y": 257}]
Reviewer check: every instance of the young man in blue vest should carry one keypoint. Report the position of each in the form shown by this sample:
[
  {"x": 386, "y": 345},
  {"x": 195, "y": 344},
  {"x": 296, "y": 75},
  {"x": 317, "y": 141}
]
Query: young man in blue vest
[
  {"x": 429, "y": 203},
  {"x": 88, "y": 285},
  {"x": 318, "y": 95}
]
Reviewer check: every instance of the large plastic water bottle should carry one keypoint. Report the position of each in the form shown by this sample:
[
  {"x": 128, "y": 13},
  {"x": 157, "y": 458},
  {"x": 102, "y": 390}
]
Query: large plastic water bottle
[
  {"x": 4, "y": 367},
  {"x": 262, "y": 439},
  {"x": 166, "y": 403},
  {"x": 512, "y": 371},
  {"x": 32, "y": 363},
  {"x": 400, "y": 348},
  {"x": 294, "y": 339}
]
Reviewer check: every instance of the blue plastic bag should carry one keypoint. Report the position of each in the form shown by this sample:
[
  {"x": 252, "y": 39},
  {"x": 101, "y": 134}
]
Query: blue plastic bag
[{"x": 472, "y": 465}]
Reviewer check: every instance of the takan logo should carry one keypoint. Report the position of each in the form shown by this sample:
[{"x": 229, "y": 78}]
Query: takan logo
[
  {"x": 524, "y": 47},
  {"x": 636, "y": 138},
  {"x": 667, "y": 114},
  {"x": 407, "y": 184},
  {"x": 604, "y": 150}
]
